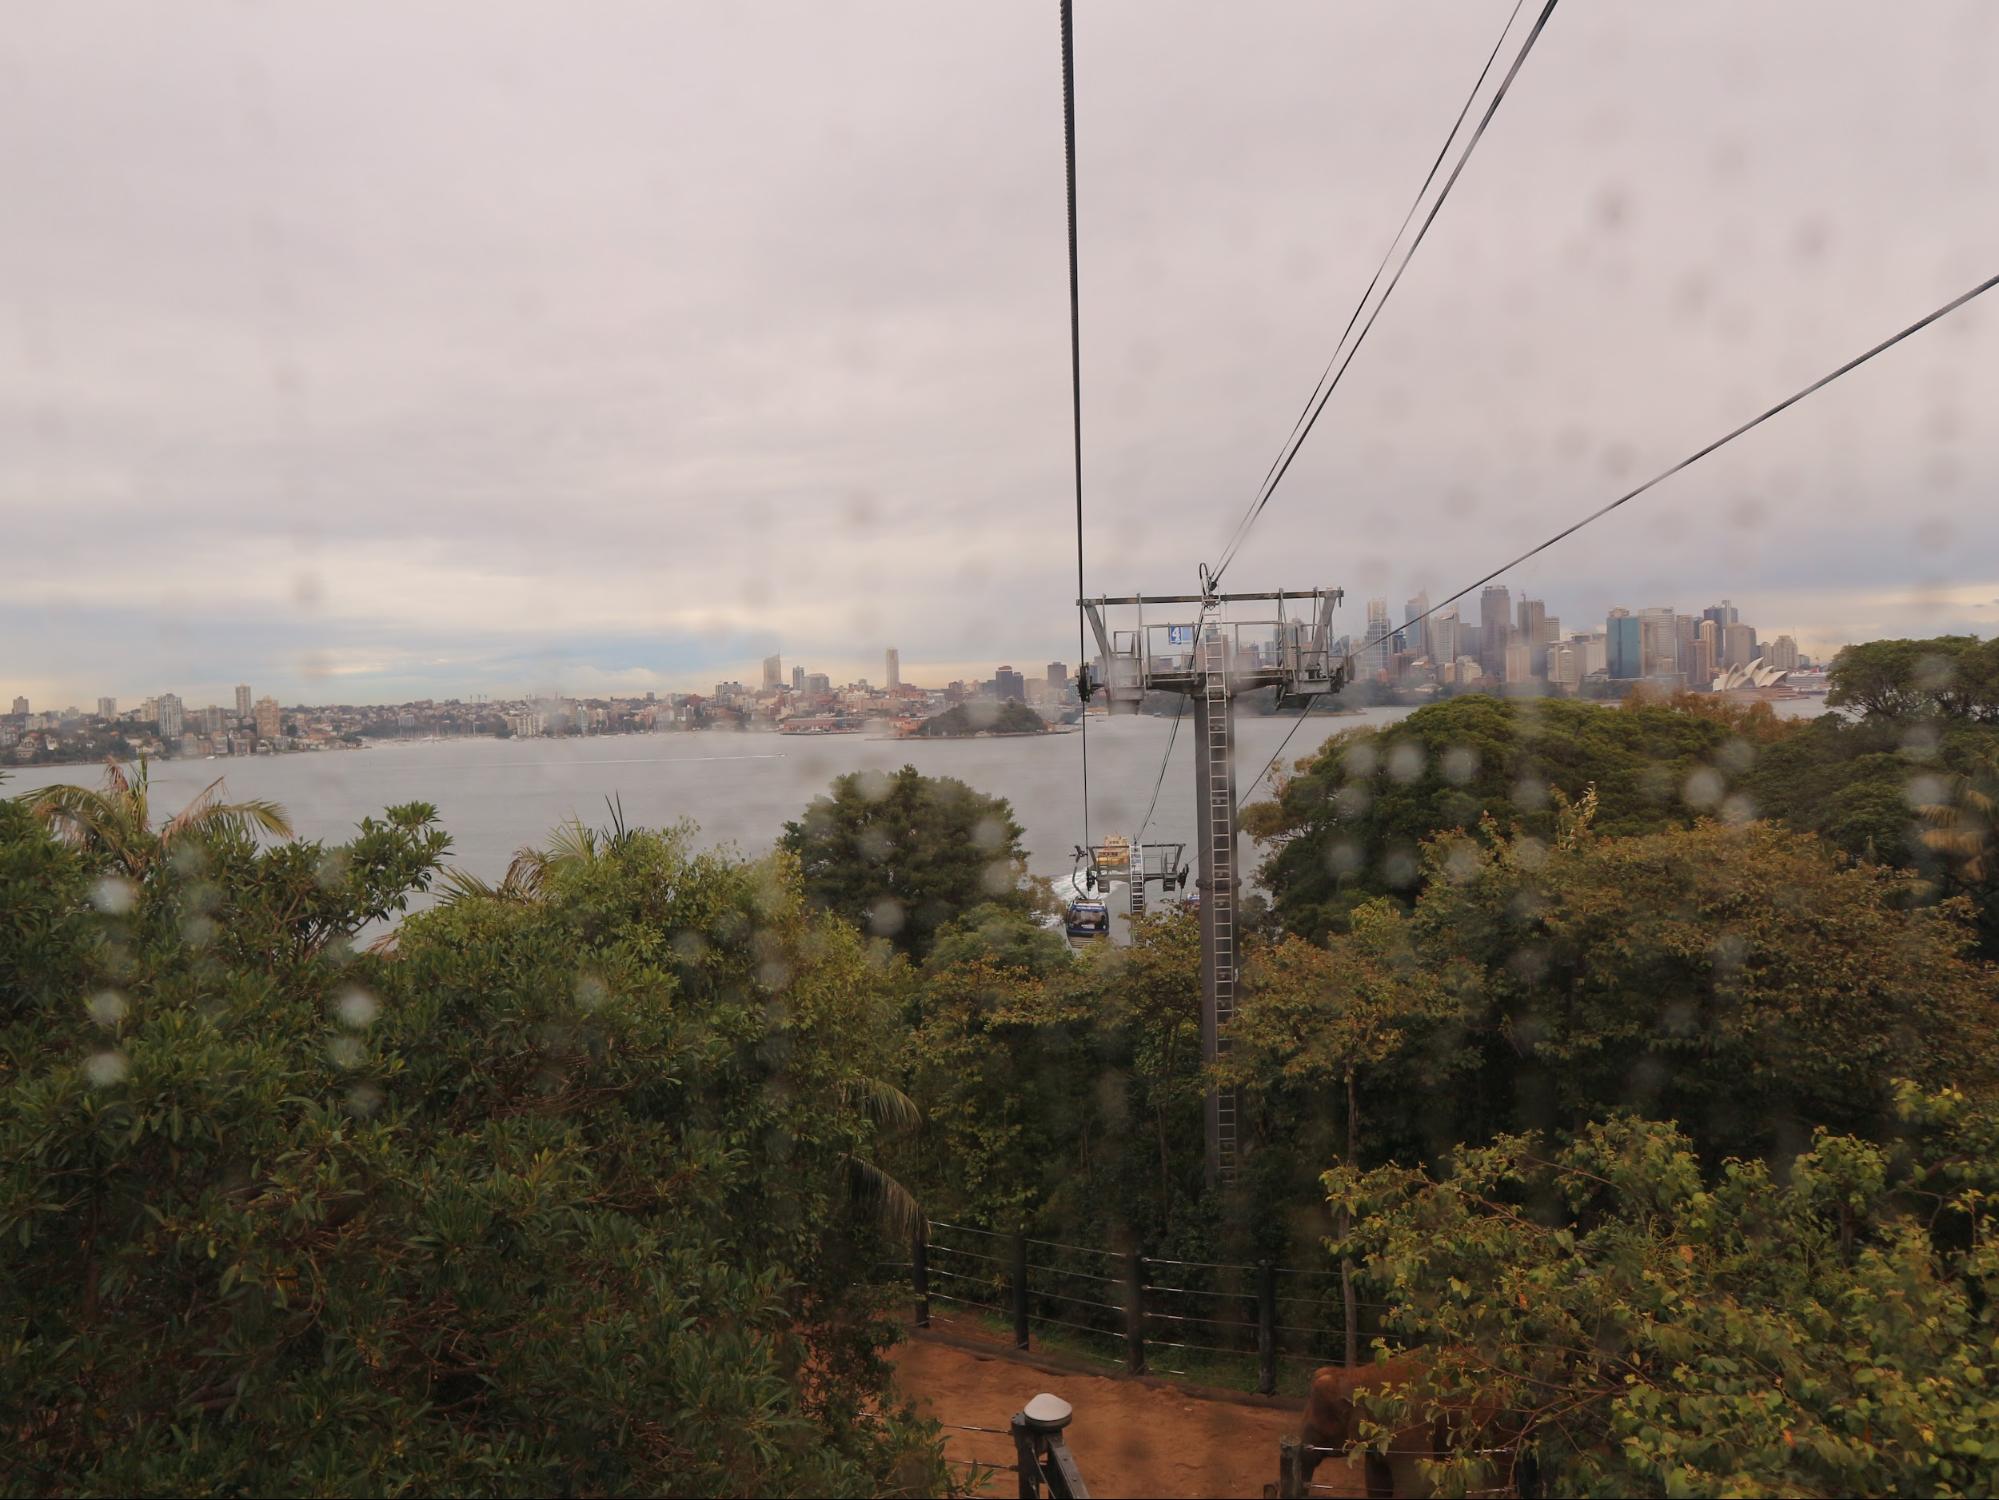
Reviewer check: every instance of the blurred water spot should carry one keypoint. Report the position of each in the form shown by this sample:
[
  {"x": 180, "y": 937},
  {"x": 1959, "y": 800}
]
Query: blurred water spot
[
  {"x": 1704, "y": 788},
  {"x": 1460, "y": 764},
  {"x": 106, "y": 1068},
  {"x": 107, "y": 1007},
  {"x": 114, "y": 895},
  {"x": 357, "y": 1008},
  {"x": 344, "y": 1052}
]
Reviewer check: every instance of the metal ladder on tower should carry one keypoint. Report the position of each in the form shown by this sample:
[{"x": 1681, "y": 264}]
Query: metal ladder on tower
[
  {"x": 1136, "y": 870},
  {"x": 1219, "y": 751}
]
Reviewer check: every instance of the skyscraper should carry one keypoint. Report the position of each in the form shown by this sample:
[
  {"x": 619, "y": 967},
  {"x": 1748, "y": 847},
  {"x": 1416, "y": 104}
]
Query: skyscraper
[
  {"x": 1008, "y": 683},
  {"x": 1738, "y": 645},
  {"x": 1444, "y": 636},
  {"x": 270, "y": 719},
  {"x": 894, "y": 669},
  {"x": 1374, "y": 660},
  {"x": 1661, "y": 646},
  {"x": 107, "y": 708},
  {"x": 1416, "y": 629},
  {"x": 242, "y": 700},
  {"x": 773, "y": 673},
  {"x": 170, "y": 716},
  {"x": 1624, "y": 646},
  {"x": 1495, "y": 628},
  {"x": 21, "y": 707},
  {"x": 1782, "y": 653}
]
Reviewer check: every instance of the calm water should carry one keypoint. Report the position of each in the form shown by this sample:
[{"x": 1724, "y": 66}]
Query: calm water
[{"x": 738, "y": 788}]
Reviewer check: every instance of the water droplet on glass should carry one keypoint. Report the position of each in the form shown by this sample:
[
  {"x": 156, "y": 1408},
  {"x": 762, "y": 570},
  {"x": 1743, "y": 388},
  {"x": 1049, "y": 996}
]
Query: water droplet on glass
[
  {"x": 356, "y": 1008},
  {"x": 114, "y": 895},
  {"x": 106, "y": 1068},
  {"x": 344, "y": 1052},
  {"x": 107, "y": 1007}
]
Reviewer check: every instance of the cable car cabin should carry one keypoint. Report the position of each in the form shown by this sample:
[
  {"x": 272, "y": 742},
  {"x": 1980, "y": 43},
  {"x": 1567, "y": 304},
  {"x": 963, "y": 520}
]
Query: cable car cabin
[{"x": 1089, "y": 919}]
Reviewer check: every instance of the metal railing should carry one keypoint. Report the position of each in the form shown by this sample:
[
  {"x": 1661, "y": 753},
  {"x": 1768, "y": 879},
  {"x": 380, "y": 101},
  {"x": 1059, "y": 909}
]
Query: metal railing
[{"x": 1150, "y": 1314}]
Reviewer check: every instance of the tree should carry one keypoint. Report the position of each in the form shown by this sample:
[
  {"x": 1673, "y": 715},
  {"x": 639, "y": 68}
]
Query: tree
[
  {"x": 1317, "y": 1018},
  {"x": 113, "y": 823},
  {"x": 1654, "y": 1329},
  {"x": 901, "y": 855},
  {"x": 558, "y": 1200},
  {"x": 1955, "y": 676},
  {"x": 1743, "y": 980},
  {"x": 1350, "y": 825}
]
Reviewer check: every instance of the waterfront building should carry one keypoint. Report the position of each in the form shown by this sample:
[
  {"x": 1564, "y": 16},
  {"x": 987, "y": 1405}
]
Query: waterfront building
[
  {"x": 798, "y": 679},
  {"x": 1008, "y": 683},
  {"x": 894, "y": 671},
  {"x": 773, "y": 673},
  {"x": 21, "y": 708},
  {"x": 243, "y": 709},
  {"x": 1444, "y": 636},
  {"x": 170, "y": 714},
  {"x": 1738, "y": 645},
  {"x": 1782, "y": 654},
  {"x": 1375, "y": 654},
  {"x": 270, "y": 719}
]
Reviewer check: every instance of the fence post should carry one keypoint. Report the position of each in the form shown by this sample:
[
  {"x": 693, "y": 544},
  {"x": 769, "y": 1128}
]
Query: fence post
[
  {"x": 1266, "y": 1328},
  {"x": 919, "y": 1268},
  {"x": 1290, "y": 1478},
  {"x": 1020, "y": 1289},
  {"x": 1025, "y": 1460},
  {"x": 1134, "y": 1313}
]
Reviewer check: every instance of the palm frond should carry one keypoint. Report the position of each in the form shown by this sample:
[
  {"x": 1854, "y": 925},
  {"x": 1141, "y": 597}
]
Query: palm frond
[
  {"x": 893, "y": 1205},
  {"x": 883, "y": 1102}
]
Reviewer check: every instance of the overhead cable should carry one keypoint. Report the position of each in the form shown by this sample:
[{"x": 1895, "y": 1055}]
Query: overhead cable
[
  {"x": 1269, "y": 489},
  {"x": 1667, "y": 473}
]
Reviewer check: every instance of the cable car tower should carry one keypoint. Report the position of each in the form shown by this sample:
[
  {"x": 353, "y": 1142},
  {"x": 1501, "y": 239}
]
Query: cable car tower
[{"x": 1182, "y": 650}]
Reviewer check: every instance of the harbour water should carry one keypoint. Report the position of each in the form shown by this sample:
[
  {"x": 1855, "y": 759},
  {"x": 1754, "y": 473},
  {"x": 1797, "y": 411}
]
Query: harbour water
[{"x": 737, "y": 788}]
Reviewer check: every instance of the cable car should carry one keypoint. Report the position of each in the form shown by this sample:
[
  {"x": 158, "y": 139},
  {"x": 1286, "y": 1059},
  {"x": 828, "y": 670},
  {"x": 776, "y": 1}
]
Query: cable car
[{"x": 1087, "y": 919}]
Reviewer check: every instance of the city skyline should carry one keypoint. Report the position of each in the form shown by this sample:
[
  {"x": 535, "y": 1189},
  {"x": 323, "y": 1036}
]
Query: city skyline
[
  {"x": 445, "y": 374},
  {"x": 1354, "y": 620}
]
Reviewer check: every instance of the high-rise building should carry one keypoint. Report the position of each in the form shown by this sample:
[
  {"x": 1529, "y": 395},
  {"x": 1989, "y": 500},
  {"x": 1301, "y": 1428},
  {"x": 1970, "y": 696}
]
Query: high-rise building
[
  {"x": 818, "y": 682},
  {"x": 107, "y": 708},
  {"x": 243, "y": 709},
  {"x": 1495, "y": 627},
  {"x": 773, "y": 673},
  {"x": 1008, "y": 683},
  {"x": 1782, "y": 654},
  {"x": 270, "y": 719},
  {"x": 1624, "y": 645},
  {"x": 169, "y": 715},
  {"x": 1738, "y": 645},
  {"x": 894, "y": 669},
  {"x": 1444, "y": 636},
  {"x": 1058, "y": 679},
  {"x": 1416, "y": 628},
  {"x": 1378, "y": 643},
  {"x": 798, "y": 679},
  {"x": 1697, "y": 657},
  {"x": 21, "y": 707},
  {"x": 1565, "y": 666},
  {"x": 1519, "y": 661}
]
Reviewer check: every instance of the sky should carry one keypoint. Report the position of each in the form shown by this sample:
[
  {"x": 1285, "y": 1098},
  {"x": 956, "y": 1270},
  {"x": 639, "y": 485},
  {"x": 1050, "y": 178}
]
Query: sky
[{"x": 371, "y": 352}]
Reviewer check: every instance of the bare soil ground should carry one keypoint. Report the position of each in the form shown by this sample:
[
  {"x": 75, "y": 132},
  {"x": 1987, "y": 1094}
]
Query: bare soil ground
[{"x": 1130, "y": 1438}]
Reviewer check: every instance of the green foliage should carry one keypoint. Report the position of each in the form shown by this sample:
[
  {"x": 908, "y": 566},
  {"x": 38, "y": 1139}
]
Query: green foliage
[
  {"x": 901, "y": 855},
  {"x": 983, "y": 717},
  {"x": 1351, "y": 824},
  {"x": 1955, "y": 676},
  {"x": 1661, "y": 1332},
  {"x": 557, "y": 1199},
  {"x": 113, "y": 824},
  {"x": 1740, "y": 980},
  {"x": 1005, "y": 935}
]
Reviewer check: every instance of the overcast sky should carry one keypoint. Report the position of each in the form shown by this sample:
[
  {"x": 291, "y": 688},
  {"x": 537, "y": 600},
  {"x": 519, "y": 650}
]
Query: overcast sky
[{"x": 363, "y": 352}]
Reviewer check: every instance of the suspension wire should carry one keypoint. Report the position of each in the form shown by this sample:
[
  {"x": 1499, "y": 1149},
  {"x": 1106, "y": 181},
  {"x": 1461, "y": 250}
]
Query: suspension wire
[
  {"x": 1664, "y": 474},
  {"x": 1076, "y": 377},
  {"x": 1415, "y": 203},
  {"x": 1478, "y": 133}
]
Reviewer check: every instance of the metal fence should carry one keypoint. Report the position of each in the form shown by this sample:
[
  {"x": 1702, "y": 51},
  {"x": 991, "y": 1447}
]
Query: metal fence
[{"x": 1216, "y": 1320}]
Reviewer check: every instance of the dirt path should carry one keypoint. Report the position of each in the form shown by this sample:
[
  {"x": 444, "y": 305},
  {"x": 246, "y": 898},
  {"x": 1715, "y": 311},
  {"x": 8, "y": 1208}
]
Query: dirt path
[{"x": 1129, "y": 1438}]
